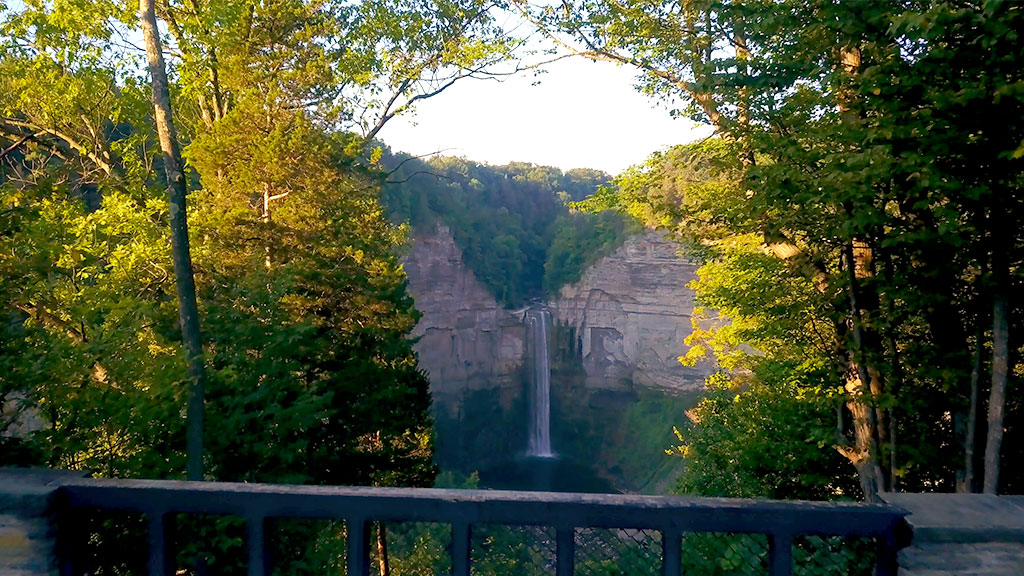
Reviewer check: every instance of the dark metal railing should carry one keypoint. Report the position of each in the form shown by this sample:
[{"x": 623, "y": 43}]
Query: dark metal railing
[{"x": 673, "y": 517}]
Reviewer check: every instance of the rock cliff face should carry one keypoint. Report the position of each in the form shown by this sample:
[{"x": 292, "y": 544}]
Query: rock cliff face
[
  {"x": 466, "y": 339},
  {"x": 471, "y": 347},
  {"x": 629, "y": 315},
  {"x": 614, "y": 341}
]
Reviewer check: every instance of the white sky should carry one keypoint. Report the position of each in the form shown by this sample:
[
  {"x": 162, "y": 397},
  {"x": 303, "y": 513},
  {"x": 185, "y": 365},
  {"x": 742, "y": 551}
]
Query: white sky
[{"x": 583, "y": 114}]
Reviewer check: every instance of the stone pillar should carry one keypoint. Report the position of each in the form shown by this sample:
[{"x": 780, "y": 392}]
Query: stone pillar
[
  {"x": 27, "y": 538},
  {"x": 962, "y": 534}
]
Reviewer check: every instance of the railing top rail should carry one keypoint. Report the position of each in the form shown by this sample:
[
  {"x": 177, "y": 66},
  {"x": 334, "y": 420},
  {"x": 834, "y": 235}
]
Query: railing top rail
[{"x": 683, "y": 514}]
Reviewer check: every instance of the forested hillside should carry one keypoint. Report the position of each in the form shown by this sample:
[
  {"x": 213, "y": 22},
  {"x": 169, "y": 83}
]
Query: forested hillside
[
  {"x": 513, "y": 223},
  {"x": 303, "y": 370},
  {"x": 858, "y": 217}
]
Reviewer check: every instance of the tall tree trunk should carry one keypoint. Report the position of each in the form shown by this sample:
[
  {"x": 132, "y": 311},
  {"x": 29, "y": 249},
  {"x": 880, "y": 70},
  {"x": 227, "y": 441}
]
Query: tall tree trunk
[
  {"x": 968, "y": 481},
  {"x": 970, "y": 438},
  {"x": 1000, "y": 355},
  {"x": 865, "y": 382},
  {"x": 895, "y": 376},
  {"x": 265, "y": 218},
  {"x": 188, "y": 309},
  {"x": 739, "y": 39},
  {"x": 383, "y": 561}
]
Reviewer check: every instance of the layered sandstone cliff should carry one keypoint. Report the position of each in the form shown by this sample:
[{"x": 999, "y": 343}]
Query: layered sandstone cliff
[
  {"x": 472, "y": 349},
  {"x": 615, "y": 337},
  {"x": 629, "y": 315},
  {"x": 466, "y": 339}
]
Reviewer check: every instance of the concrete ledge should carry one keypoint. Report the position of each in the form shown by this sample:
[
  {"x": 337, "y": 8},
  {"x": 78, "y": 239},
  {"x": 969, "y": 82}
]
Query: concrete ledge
[
  {"x": 962, "y": 534},
  {"x": 966, "y": 518},
  {"x": 27, "y": 490},
  {"x": 26, "y": 530}
]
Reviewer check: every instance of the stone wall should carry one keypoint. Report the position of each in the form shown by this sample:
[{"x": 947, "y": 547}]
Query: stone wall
[
  {"x": 27, "y": 543},
  {"x": 962, "y": 534}
]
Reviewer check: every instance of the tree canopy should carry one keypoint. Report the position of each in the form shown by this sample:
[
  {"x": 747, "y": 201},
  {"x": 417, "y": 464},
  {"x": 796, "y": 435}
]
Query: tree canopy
[
  {"x": 514, "y": 224},
  {"x": 860, "y": 220},
  {"x": 301, "y": 293}
]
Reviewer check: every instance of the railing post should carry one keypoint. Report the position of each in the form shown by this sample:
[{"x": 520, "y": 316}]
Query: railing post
[
  {"x": 357, "y": 531},
  {"x": 565, "y": 546},
  {"x": 671, "y": 552},
  {"x": 462, "y": 532},
  {"x": 780, "y": 554},
  {"x": 888, "y": 562},
  {"x": 70, "y": 536},
  {"x": 256, "y": 544},
  {"x": 160, "y": 562}
]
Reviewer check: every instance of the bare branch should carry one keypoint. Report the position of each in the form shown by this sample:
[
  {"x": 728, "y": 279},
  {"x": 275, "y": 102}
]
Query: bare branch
[{"x": 17, "y": 127}]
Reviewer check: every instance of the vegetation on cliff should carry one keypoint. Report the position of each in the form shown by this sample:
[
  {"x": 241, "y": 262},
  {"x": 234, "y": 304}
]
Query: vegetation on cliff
[{"x": 513, "y": 223}]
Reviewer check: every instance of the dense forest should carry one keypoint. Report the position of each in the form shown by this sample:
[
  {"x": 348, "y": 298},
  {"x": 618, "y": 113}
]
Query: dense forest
[
  {"x": 858, "y": 221},
  {"x": 200, "y": 237},
  {"x": 513, "y": 223}
]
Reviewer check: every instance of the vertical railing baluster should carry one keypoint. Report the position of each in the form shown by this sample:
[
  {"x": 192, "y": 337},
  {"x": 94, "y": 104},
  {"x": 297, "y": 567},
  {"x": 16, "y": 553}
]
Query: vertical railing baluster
[
  {"x": 565, "y": 546},
  {"x": 70, "y": 535},
  {"x": 67, "y": 551},
  {"x": 887, "y": 561},
  {"x": 255, "y": 541},
  {"x": 160, "y": 562},
  {"x": 780, "y": 554},
  {"x": 462, "y": 532},
  {"x": 357, "y": 531},
  {"x": 671, "y": 552}
]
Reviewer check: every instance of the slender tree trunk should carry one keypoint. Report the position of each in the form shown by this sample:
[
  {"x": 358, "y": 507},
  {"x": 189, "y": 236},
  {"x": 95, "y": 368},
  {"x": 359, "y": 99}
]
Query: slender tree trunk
[
  {"x": 743, "y": 94},
  {"x": 895, "y": 376},
  {"x": 265, "y": 218},
  {"x": 864, "y": 383},
  {"x": 968, "y": 481},
  {"x": 972, "y": 411},
  {"x": 1000, "y": 359},
  {"x": 177, "y": 188},
  {"x": 383, "y": 561}
]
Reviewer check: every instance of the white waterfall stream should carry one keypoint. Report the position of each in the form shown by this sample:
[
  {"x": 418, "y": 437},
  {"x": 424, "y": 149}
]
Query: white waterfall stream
[{"x": 540, "y": 400}]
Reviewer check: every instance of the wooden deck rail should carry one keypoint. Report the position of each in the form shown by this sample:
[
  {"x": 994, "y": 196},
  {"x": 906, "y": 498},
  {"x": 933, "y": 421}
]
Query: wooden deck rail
[{"x": 780, "y": 521}]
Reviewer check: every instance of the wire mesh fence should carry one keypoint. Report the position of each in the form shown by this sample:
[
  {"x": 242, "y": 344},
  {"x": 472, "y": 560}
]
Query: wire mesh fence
[
  {"x": 834, "y": 556},
  {"x": 298, "y": 547},
  {"x": 607, "y": 552},
  {"x": 106, "y": 527},
  {"x": 520, "y": 550},
  {"x": 721, "y": 553},
  {"x": 414, "y": 548},
  {"x": 617, "y": 552}
]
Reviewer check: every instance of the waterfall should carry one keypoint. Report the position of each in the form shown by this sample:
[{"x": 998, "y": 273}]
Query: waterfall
[{"x": 540, "y": 397}]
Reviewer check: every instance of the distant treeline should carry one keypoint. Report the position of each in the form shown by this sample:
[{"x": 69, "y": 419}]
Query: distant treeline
[{"x": 513, "y": 223}]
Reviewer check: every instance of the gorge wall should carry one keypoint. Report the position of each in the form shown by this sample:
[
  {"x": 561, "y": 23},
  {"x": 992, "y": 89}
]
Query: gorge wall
[
  {"x": 472, "y": 349},
  {"x": 629, "y": 315},
  {"x": 615, "y": 338}
]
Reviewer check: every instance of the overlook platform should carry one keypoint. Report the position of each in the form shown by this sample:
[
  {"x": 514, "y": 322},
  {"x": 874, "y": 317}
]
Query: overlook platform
[
  {"x": 40, "y": 532},
  {"x": 962, "y": 534}
]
